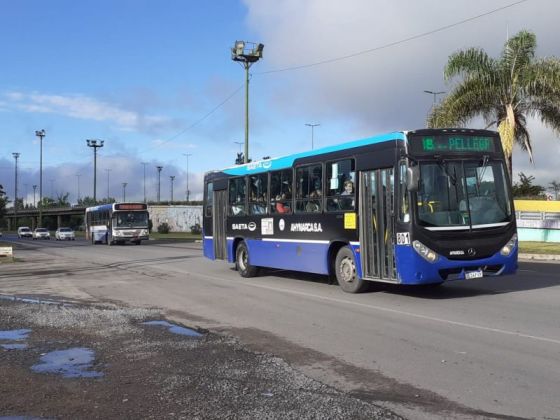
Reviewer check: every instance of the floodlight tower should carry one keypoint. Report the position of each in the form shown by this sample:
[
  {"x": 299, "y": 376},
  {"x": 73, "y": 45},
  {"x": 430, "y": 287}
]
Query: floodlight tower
[
  {"x": 40, "y": 134},
  {"x": 95, "y": 144},
  {"x": 246, "y": 53}
]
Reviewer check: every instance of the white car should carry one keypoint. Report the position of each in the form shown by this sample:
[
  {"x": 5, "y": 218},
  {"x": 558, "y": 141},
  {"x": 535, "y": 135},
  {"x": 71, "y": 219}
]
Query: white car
[
  {"x": 24, "y": 232},
  {"x": 41, "y": 233},
  {"x": 63, "y": 233}
]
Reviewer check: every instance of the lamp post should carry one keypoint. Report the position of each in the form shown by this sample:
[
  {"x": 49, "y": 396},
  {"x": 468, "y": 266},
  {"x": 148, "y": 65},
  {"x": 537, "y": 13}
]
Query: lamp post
[
  {"x": 144, "y": 163},
  {"x": 34, "y": 190},
  {"x": 78, "y": 176},
  {"x": 108, "y": 184},
  {"x": 124, "y": 184},
  {"x": 188, "y": 191},
  {"x": 312, "y": 133},
  {"x": 246, "y": 53},
  {"x": 435, "y": 95},
  {"x": 159, "y": 168},
  {"x": 431, "y": 92},
  {"x": 16, "y": 157},
  {"x": 40, "y": 134},
  {"x": 172, "y": 178},
  {"x": 95, "y": 144}
]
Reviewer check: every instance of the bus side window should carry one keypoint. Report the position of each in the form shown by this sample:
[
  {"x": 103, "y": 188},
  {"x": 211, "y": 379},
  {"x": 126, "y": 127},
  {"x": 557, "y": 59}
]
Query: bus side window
[
  {"x": 281, "y": 191},
  {"x": 237, "y": 195},
  {"x": 258, "y": 186},
  {"x": 341, "y": 185},
  {"x": 209, "y": 198},
  {"x": 404, "y": 207},
  {"x": 309, "y": 188}
]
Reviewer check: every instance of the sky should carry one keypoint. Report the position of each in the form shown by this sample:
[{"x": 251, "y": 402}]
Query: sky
[{"x": 155, "y": 81}]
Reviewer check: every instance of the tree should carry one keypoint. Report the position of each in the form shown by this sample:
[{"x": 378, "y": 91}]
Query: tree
[
  {"x": 526, "y": 189},
  {"x": 504, "y": 91},
  {"x": 62, "y": 200},
  {"x": 554, "y": 186},
  {"x": 3, "y": 202}
]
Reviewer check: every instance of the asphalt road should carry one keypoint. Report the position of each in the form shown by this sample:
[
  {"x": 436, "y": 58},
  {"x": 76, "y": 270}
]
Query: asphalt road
[{"x": 487, "y": 348}]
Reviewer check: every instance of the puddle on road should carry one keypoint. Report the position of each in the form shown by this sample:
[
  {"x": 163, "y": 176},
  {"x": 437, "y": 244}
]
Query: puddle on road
[
  {"x": 70, "y": 363},
  {"x": 175, "y": 329},
  {"x": 14, "y": 335},
  {"x": 13, "y": 347},
  {"x": 31, "y": 300}
]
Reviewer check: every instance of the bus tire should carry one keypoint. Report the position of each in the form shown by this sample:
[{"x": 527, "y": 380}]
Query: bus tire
[
  {"x": 346, "y": 274},
  {"x": 242, "y": 261}
]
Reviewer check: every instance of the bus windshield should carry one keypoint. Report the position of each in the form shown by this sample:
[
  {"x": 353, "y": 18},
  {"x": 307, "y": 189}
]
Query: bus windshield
[
  {"x": 130, "y": 219},
  {"x": 463, "y": 194}
]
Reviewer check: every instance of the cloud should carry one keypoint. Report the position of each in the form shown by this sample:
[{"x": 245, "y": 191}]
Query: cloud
[{"x": 85, "y": 108}]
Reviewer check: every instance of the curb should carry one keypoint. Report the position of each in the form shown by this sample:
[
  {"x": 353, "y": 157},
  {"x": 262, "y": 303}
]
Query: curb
[{"x": 539, "y": 257}]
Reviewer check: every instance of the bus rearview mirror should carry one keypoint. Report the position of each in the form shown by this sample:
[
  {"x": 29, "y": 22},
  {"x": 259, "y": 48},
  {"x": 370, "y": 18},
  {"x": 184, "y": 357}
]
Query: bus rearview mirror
[{"x": 412, "y": 178}]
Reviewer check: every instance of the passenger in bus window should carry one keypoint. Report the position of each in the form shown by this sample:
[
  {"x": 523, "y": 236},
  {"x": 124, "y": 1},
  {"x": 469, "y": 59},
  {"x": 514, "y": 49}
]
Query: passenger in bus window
[{"x": 348, "y": 188}]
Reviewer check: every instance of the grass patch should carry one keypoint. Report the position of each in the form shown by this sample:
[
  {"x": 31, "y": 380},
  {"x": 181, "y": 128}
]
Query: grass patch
[{"x": 529, "y": 247}]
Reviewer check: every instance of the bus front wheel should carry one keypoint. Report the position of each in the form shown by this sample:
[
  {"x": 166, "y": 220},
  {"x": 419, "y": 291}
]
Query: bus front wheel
[
  {"x": 346, "y": 275},
  {"x": 242, "y": 261}
]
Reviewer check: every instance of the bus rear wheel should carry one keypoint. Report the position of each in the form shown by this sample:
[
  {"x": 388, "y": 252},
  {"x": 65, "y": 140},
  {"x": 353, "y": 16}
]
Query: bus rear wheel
[
  {"x": 346, "y": 275},
  {"x": 242, "y": 262}
]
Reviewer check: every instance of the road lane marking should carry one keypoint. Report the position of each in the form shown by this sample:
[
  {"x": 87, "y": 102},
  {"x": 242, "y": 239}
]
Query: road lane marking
[{"x": 389, "y": 310}]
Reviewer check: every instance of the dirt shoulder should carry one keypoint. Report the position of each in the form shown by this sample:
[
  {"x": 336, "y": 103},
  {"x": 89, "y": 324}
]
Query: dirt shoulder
[{"x": 137, "y": 370}]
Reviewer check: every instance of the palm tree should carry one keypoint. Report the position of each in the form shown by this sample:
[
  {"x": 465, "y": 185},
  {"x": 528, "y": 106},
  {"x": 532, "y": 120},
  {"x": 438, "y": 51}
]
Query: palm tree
[{"x": 504, "y": 91}]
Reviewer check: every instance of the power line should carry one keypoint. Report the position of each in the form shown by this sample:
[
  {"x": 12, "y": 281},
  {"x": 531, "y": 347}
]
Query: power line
[
  {"x": 197, "y": 121},
  {"x": 394, "y": 43}
]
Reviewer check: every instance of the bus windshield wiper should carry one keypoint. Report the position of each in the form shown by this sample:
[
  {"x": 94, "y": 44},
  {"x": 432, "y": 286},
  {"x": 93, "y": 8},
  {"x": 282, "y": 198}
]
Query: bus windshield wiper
[{"x": 444, "y": 165}]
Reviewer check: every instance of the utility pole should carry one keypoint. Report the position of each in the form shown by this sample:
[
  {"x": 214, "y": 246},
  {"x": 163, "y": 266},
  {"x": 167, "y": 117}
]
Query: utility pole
[
  {"x": 124, "y": 184},
  {"x": 312, "y": 136},
  {"x": 144, "y": 163},
  {"x": 95, "y": 144},
  {"x": 16, "y": 157},
  {"x": 172, "y": 178},
  {"x": 159, "y": 168},
  {"x": 40, "y": 134}
]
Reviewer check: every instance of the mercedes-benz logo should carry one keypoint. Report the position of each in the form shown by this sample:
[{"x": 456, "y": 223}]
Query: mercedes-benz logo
[{"x": 471, "y": 252}]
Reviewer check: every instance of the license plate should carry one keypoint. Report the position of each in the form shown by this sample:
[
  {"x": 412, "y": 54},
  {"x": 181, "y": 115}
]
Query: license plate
[{"x": 473, "y": 274}]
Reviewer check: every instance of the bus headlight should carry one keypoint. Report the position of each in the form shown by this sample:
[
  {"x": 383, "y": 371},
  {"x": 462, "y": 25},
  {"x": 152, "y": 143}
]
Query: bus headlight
[
  {"x": 424, "y": 251},
  {"x": 510, "y": 246}
]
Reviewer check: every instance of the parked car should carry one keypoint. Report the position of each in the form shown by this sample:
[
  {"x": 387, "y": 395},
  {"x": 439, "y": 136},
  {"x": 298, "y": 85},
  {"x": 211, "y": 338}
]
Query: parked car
[
  {"x": 63, "y": 233},
  {"x": 24, "y": 232},
  {"x": 41, "y": 233}
]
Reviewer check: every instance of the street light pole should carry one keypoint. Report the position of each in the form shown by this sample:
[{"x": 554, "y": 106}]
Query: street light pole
[
  {"x": 312, "y": 136},
  {"x": 435, "y": 95},
  {"x": 246, "y": 53},
  {"x": 172, "y": 178},
  {"x": 40, "y": 134},
  {"x": 144, "y": 163},
  {"x": 188, "y": 192},
  {"x": 16, "y": 157},
  {"x": 34, "y": 190},
  {"x": 108, "y": 185},
  {"x": 78, "y": 176},
  {"x": 95, "y": 144},
  {"x": 159, "y": 168},
  {"x": 124, "y": 184}
]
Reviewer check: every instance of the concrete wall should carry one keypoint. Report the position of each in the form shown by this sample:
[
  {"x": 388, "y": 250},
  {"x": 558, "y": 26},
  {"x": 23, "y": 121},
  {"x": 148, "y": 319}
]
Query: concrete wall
[{"x": 179, "y": 218}]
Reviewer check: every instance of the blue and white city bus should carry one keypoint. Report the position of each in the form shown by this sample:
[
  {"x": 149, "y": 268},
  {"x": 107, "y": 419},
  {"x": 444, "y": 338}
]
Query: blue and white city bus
[
  {"x": 117, "y": 223},
  {"x": 411, "y": 207}
]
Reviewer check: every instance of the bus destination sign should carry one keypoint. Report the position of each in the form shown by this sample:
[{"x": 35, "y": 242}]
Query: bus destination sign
[
  {"x": 130, "y": 206},
  {"x": 453, "y": 144}
]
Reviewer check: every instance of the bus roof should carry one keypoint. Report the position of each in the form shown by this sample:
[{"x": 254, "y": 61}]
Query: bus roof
[{"x": 287, "y": 161}]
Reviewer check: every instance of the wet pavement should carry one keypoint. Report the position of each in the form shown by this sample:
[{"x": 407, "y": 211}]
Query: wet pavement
[{"x": 85, "y": 361}]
